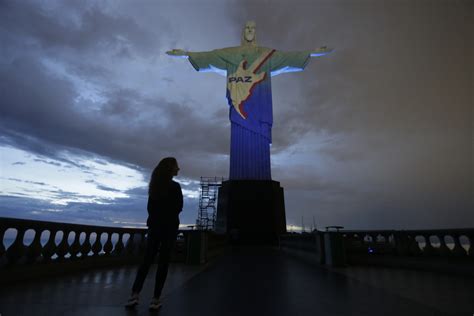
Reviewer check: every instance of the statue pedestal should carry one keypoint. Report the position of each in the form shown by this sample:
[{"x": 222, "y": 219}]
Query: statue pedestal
[{"x": 251, "y": 211}]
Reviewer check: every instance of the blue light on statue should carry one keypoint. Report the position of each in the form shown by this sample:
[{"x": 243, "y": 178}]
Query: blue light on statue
[
  {"x": 371, "y": 250},
  {"x": 211, "y": 68},
  {"x": 285, "y": 69},
  {"x": 249, "y": 96},
  {"x": 180, "y": 56}
]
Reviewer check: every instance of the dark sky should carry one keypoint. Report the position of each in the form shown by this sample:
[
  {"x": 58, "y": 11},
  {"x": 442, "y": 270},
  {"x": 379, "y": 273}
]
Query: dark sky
[{"x": 379, "y": 134}]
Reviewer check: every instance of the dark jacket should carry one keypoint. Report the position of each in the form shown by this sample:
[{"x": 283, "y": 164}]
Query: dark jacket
[{"x": 164, "y": 208}]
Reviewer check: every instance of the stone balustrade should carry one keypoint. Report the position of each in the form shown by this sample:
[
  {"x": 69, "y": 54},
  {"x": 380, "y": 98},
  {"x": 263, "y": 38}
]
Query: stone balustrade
[
  {"x": 448, "y": 250},
  {"x": 307, "y": 246},
  {"x": 51, "y": 241},
  {"x": 30, "y": 249},
  {"x": 37, "y": 242},
  {"x": 428, "y": 243}
]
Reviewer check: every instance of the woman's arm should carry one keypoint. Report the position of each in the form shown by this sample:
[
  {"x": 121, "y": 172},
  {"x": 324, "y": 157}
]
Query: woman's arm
[{"x": 180, "y": 199}]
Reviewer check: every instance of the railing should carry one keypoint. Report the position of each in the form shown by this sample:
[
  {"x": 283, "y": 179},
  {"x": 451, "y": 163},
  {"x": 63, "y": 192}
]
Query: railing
[
  {"x": 53, "y": 241},
  {"x": 431, "y": 243},
  {"x": 308, "y": 246},
  {"x": 441, "y": 250},
  {"x": 32, "y": 244}
]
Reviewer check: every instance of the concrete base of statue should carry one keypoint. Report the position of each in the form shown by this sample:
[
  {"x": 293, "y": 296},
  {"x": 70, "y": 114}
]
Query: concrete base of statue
[{"x": 251, "y": 211}]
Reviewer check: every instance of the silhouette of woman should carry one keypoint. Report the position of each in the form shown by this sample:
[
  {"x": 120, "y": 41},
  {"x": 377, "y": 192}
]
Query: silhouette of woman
[{"x": 165, "y": 202}]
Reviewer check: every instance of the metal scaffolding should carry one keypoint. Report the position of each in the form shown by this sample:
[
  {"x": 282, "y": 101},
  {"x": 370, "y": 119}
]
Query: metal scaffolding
[{"x": 208, "y": 202}]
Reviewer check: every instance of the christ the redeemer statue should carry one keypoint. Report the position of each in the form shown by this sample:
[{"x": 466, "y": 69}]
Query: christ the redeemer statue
[{"x": 248, "y": 68}]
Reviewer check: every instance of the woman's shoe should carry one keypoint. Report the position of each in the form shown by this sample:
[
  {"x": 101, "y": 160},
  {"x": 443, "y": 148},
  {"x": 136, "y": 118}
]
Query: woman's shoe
[
  {"x": 132, "y": 301},
  {"x": 155, "y": 304}
]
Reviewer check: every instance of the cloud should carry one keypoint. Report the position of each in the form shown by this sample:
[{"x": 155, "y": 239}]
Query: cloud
[
  {"x": 106, "y": 134},
  {"x": 88, "y": 109},
  {"x": 112, "y": 213},
  {"x": 27, "y": 181},
  {"x": 85, "y": 29},
  {"x": 48, "y": 162},
  {"x": 368, "y": 136},
  {"x": 376, "y": 120},
  {"x": 103, "y": 187}
]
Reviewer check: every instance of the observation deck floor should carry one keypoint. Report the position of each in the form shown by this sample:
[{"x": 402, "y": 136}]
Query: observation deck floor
[{"x": 248, "y": 281}]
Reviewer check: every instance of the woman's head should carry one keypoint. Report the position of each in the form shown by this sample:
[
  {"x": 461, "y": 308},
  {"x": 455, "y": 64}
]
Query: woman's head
[{"x": 163, "y": 173}]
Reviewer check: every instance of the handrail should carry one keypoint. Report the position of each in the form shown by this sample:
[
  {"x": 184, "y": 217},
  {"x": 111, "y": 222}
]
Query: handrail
[
  {"x": 448, "y": 243},
  {"x": 421, "y": 242},
  {"x": 108, "y": 241}
]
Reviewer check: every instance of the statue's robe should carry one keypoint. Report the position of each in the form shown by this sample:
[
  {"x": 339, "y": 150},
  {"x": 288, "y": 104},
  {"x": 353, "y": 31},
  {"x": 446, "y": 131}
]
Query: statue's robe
[{"x": 249, "y": 94}]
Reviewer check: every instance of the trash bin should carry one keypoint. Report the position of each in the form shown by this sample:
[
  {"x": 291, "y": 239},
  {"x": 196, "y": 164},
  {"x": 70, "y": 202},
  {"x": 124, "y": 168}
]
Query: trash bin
[{"x": 334, "y": 248}]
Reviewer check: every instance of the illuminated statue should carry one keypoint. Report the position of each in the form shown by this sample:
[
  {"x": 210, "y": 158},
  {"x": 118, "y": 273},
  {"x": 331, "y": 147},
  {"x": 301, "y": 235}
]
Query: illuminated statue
[{"x": 248, "y": 68}]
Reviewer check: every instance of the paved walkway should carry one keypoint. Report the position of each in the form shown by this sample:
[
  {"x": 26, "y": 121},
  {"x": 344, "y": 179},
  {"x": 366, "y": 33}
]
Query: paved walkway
[
  {"x": 251, "y": 281},
  {"x": 451, "y": 294}
]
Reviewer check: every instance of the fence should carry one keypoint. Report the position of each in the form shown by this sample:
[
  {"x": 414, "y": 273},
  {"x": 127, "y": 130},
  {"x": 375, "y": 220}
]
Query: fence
[
  {"x": 42, "y": 248},
  {"x": 439, "y": 250}
]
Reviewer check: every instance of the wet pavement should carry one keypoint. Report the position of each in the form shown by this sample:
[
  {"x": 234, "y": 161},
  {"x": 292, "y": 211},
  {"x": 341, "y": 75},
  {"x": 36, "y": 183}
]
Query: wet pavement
[{"x": 248, "y": 281}]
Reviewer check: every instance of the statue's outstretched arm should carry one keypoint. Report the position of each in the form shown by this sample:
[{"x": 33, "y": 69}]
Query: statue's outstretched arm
[
  {"x": 211, "y": 61},
  {"x": 323, "y": 50},
  {"x": 177, "y": 53}
]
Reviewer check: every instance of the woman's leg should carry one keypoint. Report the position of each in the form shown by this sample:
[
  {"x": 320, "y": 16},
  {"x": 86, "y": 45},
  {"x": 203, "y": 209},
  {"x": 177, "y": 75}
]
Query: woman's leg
[
  {"x": 152, "y": 244},
  {"x": 163, "y": 263}
]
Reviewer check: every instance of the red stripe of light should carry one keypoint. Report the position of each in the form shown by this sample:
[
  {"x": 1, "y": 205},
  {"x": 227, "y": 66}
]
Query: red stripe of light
[{"x": 263, "y": 61}]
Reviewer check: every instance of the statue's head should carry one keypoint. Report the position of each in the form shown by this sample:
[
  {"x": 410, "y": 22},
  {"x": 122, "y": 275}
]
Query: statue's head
[{"x": 249, "y": 35}]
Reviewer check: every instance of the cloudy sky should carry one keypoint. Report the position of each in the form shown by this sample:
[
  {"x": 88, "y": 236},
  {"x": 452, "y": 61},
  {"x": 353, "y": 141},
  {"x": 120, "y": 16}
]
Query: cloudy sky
[{"x": 378, "y": 134}]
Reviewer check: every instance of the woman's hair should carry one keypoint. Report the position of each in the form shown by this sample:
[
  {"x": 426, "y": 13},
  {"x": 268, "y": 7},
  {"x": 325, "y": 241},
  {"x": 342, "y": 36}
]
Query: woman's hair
[{"x": 162, "y": 175}]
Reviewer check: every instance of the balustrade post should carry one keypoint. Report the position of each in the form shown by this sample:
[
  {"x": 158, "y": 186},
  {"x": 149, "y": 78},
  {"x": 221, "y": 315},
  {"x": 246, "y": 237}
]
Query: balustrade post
[
  {"x": 391, "y": 243},
  {"x": 401, "y": 243},
  {"x": 75, "y": 247},
  {"x": 3, "y": 229},
  {"x": 62, "y": 248},
  {"x": 319, "y": 240},
  {"x": 16, "y": 251},
  {"x": 97, "y": 246},
  {"x": 196, "y": 247},
  {"x": 108, "y": 244},
  {"x": 334, "y": 247},
  {"x": 385, "y": 245},
  {"x": 458, "y": 250},
  {"x": 443, "y": 248},
  {"x": 373, "y": 241},
  {"x": 86, "y": 245},
  {"x": 130, "y": 246},
  {"x": 413, "y": 247},
  {"x": 33, "y": 251},
  {"x": 470, "y": 236},
  {"x": 119, "y": 245},
  {"x": 50, "y": 248},
  {"x": 429, "y": 250}
]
